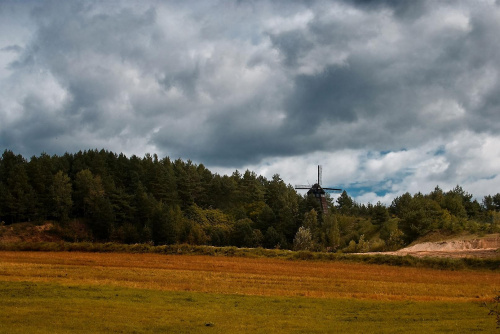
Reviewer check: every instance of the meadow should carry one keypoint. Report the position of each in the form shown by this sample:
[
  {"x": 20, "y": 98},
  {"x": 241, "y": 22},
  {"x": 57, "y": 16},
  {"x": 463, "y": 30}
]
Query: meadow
[{"x": 151, "y": 293}]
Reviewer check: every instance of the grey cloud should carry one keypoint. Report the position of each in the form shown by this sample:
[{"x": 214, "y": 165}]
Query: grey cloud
[
  {"x": 344, "y": 96},
  {"x": 293, "y": 45},
  {"x": 12, "y": 48},
  {"x": 392, "y": 93},
  {"x": 34, "y": 132},
  {"x": 184, "y": 80},
  {"x": 172, "y": 87},
  {"x": 235, "y": 135},
  {"x": 333, "y": 95},
  {"x": 78, "y": 33},
  {"x": 403, "y": 9},
  {"x": 26, "y": 59},
  {"x": 81, "y": 49}
]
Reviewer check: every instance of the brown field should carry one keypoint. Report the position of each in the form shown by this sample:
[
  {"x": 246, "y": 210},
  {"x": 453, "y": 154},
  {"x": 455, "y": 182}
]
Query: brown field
[{"x": 245, "y": 276}]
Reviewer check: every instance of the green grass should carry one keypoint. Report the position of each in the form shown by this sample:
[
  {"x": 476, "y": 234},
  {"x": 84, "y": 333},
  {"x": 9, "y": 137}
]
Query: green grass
[{"x": 27, "y": 307}]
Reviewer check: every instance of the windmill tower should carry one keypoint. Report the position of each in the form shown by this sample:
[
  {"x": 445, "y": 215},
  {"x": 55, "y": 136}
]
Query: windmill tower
[{"x": 318, "y": 191}]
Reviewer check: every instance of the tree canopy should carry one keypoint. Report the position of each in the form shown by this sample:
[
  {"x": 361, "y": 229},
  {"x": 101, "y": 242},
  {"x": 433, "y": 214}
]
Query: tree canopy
[{"x": 160, "y": 201}]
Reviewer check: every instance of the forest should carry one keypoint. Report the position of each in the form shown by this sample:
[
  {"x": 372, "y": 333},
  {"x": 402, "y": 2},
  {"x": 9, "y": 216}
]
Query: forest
[{"x": 103, "y": 196}]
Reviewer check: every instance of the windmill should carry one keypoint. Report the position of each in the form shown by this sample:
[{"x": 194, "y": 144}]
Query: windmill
[{"x": 318, "y": 191}]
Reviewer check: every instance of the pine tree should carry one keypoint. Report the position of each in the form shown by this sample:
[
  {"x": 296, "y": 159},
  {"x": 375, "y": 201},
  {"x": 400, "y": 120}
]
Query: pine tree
[{"x": 61, "y": 196}]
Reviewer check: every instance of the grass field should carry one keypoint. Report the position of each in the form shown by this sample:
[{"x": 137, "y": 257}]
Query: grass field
[{"x": 51, "y": 292}]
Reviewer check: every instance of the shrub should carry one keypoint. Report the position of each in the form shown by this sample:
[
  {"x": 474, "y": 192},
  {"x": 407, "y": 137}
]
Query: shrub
[{"x": 303, "y": 239}]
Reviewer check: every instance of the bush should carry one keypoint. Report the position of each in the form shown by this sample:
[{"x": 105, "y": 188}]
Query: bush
[
  {"x": 351, "y": 248},
  {"x": 303, "y": 239}
]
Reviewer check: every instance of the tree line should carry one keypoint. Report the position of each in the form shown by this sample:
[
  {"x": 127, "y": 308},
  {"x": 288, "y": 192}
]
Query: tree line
[{"x": 104, "y": 196}]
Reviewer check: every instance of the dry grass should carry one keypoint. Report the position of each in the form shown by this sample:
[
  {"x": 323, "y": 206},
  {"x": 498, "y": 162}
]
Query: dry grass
[{"x": 265, "y": 277}]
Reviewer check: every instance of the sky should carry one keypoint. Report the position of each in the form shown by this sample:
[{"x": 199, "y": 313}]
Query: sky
[{"x": 388, "y": 96}]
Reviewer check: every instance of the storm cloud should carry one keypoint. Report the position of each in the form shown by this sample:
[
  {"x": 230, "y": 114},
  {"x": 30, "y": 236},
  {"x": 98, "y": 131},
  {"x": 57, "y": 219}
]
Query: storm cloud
[{"x": 390, "y": 96}]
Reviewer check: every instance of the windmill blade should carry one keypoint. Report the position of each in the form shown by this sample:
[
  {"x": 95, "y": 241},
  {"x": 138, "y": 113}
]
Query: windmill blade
[
  {"x": 303, "y": 186},
  {"x": 320, "y": 175},
  {"x": 332, "y": 189}
]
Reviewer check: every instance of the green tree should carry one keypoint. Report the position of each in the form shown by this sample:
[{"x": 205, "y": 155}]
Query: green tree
[
  {"x": 488, "y": 204},
  {"x": 400, "y": 204},
  {"x": 303, "y": 239},
  {"x": 205, "y": 176},
  {"x": 379, "y": 214},
  {"x": 260, "y": 213},
  {"x": 471, "y": 208},
  {"x": 223, "y": 190},
  {"x": 166, "y": 224},
  {"x": 283, "y": 201},
  {"x": 128, "y": 234},
  {"x": 101, "y": 218},
  {"x": 192, "y": 233},
  {"x": 351, "y": 247},
  {"x": 344, "y": 203},
  {"x": 123, "y": 206},
  {"x": 61, "y": 192},
  {"x": 311, "y": 223},
  {"x": 437, "y": 195},
  {"x": 244, "y": 235},
  {"x": 363, "y": 245},
  {"x": 494, "y": 218},
  {"x": 251, "y": 189},
  {"x": 40, "y": 172},
  {"x": 420, "y": 216},
  {"x": 453, "y": 202},
  {"x": 163, "y": 182},
  {"x": 97, "y": 208},
  {"x": 19, "y": 196},
  {"x": 189, "y": 186},
  {"x": 331, "y": 231},
  {"x": 272, "y": 239}
]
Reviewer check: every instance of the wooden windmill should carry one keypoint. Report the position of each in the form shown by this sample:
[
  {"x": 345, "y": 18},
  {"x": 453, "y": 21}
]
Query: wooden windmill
[{"x": 318, "y": 191}]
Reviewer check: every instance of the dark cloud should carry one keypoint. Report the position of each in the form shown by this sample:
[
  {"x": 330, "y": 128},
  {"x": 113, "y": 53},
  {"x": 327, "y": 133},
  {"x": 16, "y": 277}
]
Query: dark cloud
[
  {"x": 237, "y": 83},
  {"x": 423, "y": 86},
  {"x": 403, "y": 9},
  {"x": 185, "y": 80},
  {"x": 12, "y": 48},
  {"x": 292, "y": 45},
  {"x": 335, "y": 95},
  {"x": 35, "y": 131}
]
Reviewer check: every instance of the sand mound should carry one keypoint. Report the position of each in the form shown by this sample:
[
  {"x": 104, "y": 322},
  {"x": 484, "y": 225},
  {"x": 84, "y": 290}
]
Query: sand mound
[
  {"x": 485, "y": 247},
  {"x": 455, "y": 245}
]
